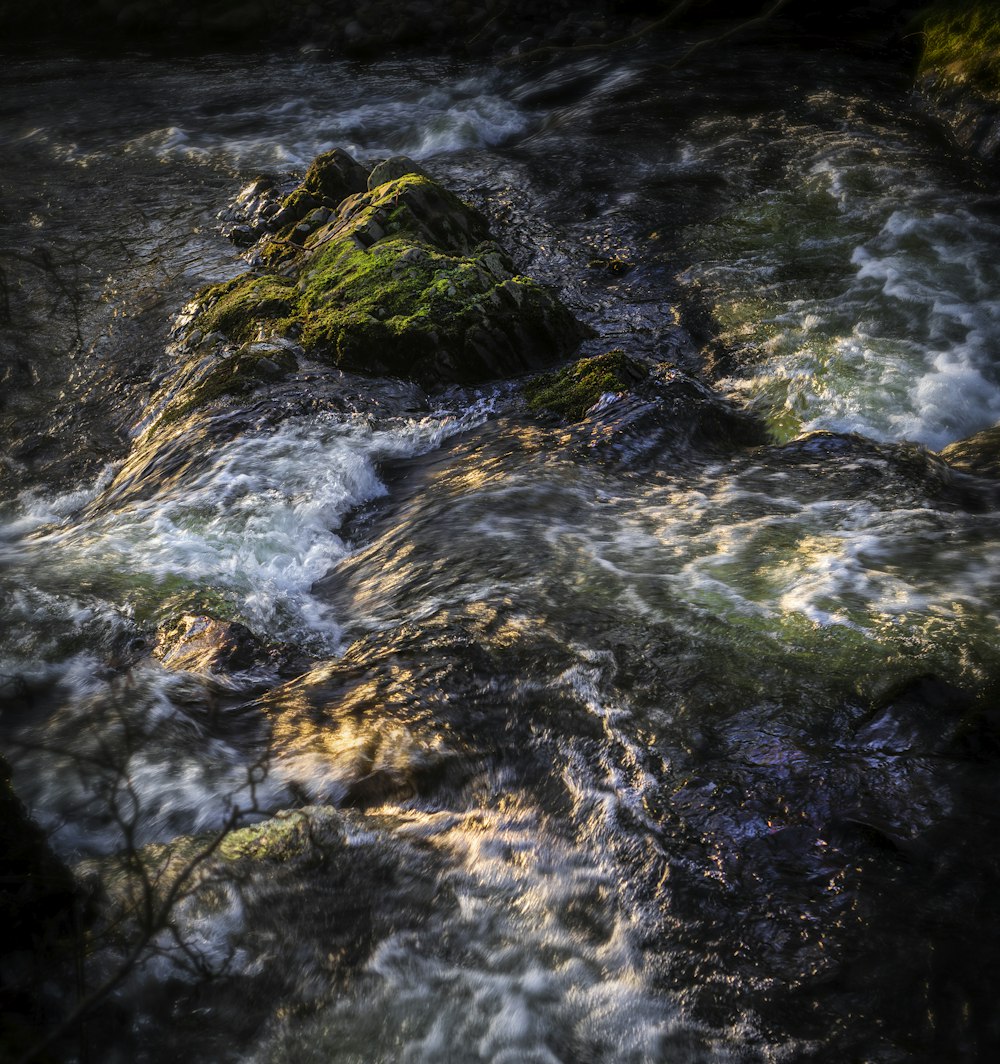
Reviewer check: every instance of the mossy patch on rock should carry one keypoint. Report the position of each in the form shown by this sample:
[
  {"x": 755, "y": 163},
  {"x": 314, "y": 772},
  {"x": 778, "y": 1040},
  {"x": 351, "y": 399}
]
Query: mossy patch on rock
[
  {"x": 403, "y": 279},
  {"x": 232, "y": 372},
  {"x": 572, "y": 391},
  {"x": 246, "y": 305},
  {"x": 962, "y": 44},
  {"x": 959, "y": 72},
  {"x": 287, "y": 836}
]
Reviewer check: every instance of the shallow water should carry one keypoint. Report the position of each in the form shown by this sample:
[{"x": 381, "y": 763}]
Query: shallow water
[{"x": 621, "y": 741}]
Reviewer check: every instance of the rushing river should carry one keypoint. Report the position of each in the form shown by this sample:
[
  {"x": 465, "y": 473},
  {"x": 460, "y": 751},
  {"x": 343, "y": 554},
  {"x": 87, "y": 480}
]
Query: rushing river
[{"x": 625, "y": 741}]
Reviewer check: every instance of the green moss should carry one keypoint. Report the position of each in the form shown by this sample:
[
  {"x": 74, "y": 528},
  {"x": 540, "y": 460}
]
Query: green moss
[
  {"x": 301, "y": 202},
  {"x": 276, "y": 252},
  {"x": 235, "y": 373},
  {"x": 282, "y": 838},
  {"x": 962, "y": 44},
  {"x": 404, "y": 280},
  {"x": 360, "y": 304},
  {"x": 571, "y": 392},
  {"x": 238, "y": 308}
]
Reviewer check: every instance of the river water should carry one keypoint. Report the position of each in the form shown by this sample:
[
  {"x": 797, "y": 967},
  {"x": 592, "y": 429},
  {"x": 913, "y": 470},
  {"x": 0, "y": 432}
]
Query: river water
[{"x": 641, "y": 739}]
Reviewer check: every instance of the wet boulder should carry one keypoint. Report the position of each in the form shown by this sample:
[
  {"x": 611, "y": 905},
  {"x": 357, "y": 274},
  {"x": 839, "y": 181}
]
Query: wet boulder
[
  {"x": 920, "y": 718},
  {"x": 401, "y": 279},
  {"x": 333, "y": 176},
  {"x": 978, "y": 454},
  {"x": 572, "y": 391},
  {"x": 395, "y": 167}
]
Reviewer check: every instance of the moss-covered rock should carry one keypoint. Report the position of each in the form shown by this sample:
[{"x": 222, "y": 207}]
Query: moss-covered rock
[
  {"x": 330, "y": 179},
  {"x": 287, "y": 836},
  {"x": 247, "y": 306},
  {"x": 572, "y": 391},
  {"x": 335, "y": 175},
  {"x": 401, "y": 279}
]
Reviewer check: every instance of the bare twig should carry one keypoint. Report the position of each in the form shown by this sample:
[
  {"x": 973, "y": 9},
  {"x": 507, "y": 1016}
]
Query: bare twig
[
  {"x": 733, "y": 31},
  {"x": 593, "y": 46},
  {"x": 154, "y": 890}
]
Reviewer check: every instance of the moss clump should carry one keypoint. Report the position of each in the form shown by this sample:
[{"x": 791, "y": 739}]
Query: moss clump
[
  {"x": 241, "y": 307},
  {"x": 300, "y": 202},
  {"x": 962, "y": 45},
  {"x": 277, "y": 252},
  {"x": 285, "y": 837},
  {"x": 572, "y": 391}
]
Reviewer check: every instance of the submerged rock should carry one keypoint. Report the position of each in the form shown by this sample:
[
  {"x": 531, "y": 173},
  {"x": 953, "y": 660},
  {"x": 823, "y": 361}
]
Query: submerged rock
[
  {"x": 229, "y": 896},
  {"x": 205, "y": 644},
  {"x": 572, "y": 391}
]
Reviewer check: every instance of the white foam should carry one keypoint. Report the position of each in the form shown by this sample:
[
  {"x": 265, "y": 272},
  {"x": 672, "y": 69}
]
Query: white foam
[
  {"x": 260, "y": 522},
  {"x": 506, "y": 972},
  {"x": 415, "y": 116},
  {"x": 899, "y": 340}
]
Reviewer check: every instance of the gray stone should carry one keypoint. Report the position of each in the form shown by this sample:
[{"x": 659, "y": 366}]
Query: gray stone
[{"x": 393, "y": 168}]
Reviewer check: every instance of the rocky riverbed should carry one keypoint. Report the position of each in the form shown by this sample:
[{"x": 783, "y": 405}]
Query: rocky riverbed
[{"x": 497, "y": 565}]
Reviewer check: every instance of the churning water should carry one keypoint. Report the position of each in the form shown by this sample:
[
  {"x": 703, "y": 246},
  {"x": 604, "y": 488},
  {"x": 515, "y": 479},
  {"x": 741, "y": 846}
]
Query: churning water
[{"x": 611, "y": 742}]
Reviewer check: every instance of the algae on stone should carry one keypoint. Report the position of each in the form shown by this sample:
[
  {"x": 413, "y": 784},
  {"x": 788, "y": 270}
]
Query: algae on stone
[{"x": 572, "y": 391}]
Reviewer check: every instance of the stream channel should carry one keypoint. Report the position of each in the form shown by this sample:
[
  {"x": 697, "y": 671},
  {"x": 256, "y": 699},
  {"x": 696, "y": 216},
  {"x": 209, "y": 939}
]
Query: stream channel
[{"x": 631, "y": 739}]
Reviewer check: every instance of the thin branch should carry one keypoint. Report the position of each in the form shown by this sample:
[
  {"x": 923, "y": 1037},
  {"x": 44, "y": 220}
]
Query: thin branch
[
  {"x": 733, "y": 31},
  {"x": 153, "y": 917},
  {"x": 486, "y": 25},
  {"x": 547, "y": 49}
]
